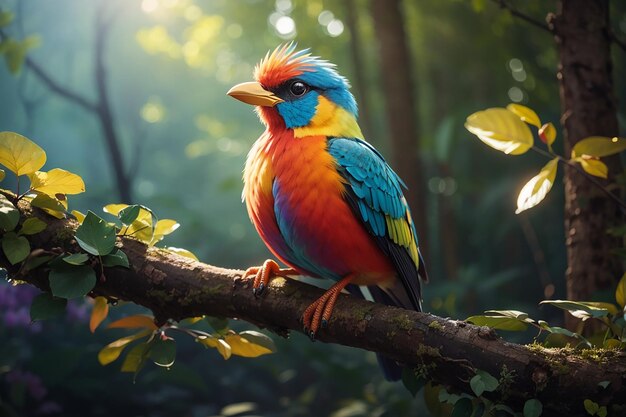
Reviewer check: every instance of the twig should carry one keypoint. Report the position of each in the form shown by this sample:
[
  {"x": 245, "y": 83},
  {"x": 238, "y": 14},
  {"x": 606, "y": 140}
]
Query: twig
[
  {"x": 537, "y": 23},
  {"x": 53, "y": 84}
]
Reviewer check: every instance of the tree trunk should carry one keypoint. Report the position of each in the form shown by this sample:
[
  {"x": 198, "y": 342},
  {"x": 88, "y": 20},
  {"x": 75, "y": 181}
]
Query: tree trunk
[
  {"x": 588, "y": 108},
  {"x": 360, "y": 76},
  {"x": 397, "y": 82},
  {"x": 444, "y": 351}
]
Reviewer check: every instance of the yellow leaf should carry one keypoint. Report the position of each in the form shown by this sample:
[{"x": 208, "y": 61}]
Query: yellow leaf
[
  {"x": 599, "y": 146},
  {"x": 79, "y": 216},
  {"x": 182, "y": 252},
  {"x": 547, "y": 133},
  {"x": 50, "y": 204},
  {"x": 113, "y": 350},
  {"x": 133, "y": 322},
  {"x": 538, "y": 187},
  {"x": 141, "y": 228},
  {"x": 245, "y": 348},
  {"x": 162, "y": 228},
  {"x": 593, "y": 167},
  {"x": 99, "y": 313},
  {"x": 2, "y": 174},
  {"x": 56, "y": 181},
  {"x": 620, "y": 292},
  {"x": 527, "y": 114},
  {"x": 501, "y": 129},
  {"x": 19, "y": 154},
  {"x": 114, "y": 209},
  {"x": 220, "y": 344}
]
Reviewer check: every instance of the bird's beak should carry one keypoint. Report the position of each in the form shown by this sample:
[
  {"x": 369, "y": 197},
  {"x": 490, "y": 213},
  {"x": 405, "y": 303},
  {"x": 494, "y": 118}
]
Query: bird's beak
[{"x": 253, "y": 93}]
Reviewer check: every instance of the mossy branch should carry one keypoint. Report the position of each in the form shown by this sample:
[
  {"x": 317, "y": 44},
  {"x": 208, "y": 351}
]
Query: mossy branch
[{"x": 450, "y": 351}]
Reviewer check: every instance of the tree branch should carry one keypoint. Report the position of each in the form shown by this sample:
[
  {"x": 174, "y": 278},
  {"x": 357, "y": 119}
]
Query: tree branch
[
  {"x": 448, "y": 351},
  {"x": 515, "y": 12}
]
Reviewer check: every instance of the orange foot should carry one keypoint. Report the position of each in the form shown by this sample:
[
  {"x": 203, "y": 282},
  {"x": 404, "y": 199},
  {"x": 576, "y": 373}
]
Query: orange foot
[
  {"x": 264, "y": 273},
  {"x": 319, "y": 312}
]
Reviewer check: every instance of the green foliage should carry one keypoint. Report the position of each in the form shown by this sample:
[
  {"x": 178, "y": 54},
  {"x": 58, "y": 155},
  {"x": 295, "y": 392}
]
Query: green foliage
[
  {"x": 16, "y": 248},
  {"x": 483, "y": 382},
  {"x": 95, "y": 235},
  {"x": 593, "y": 409},
  {"x": 9, "y": 215},
  {"x": 72, "y": 281},
  {"x": 533, "y": 408},
  {"x": 46, "y": 306}
]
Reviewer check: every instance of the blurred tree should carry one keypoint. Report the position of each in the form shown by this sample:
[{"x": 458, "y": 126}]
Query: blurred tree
[
  {"x": 101, "y": 106},
  {"x": 401, "y": 106},
  {"x": 582, "y": 32}
]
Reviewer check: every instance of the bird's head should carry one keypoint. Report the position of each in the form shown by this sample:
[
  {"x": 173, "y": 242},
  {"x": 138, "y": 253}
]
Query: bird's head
[{"x": 297, "y": 91}]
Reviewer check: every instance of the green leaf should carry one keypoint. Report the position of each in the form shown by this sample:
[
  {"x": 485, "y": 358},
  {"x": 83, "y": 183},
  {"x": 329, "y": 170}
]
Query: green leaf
[
  {"x": 604, "y": 384},
  {"x": 76, "y": 258},
  {"x": 16, "y": 248},
  {"x": 9, "y": 215},
  {"x": 491, "y": 383},
  {"x": 163, "y": 352},
  {"x": 45, "y": 306},
  {"x": 501, "y": 129},
  {"x": 533, "y": 408},
  {"x": 536, "y": 189},
  {"x": 6, "y": 18},
  {"x": 602, "y": 411},
  {"x": 72, "y": 282},
  {"x": 136, "y": 358},
  {"x": 579, "y": 309},
  {"x": 462, "y": 408},
  {"x": 477, "y": 385},
  {"x": 129, "y": 214},
  {"x": 32, "y": 226},
  {"x": 599, "y": 146},
  {"x": 498, "y": 322},
  {"x": 411, "y": 381},
  {"x": 117, "y": 258},
  {"x": 591, "y": 407},
  {"x": 95, "y": 235},
  {"x": 620, "y": 292},
  {"x": 44, "y": 201},
  {"x": 515, "y": 314}
]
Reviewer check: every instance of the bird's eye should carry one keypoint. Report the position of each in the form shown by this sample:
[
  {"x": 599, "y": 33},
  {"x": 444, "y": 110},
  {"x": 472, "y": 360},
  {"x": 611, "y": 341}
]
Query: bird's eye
[{"x": 298, "y": 88}]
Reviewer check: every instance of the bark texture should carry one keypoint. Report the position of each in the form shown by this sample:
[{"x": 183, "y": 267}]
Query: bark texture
[
  {"x": 588, "y": 108},
  {"x": 401, "y": 106},
  {"x": 446, "y": 351}
]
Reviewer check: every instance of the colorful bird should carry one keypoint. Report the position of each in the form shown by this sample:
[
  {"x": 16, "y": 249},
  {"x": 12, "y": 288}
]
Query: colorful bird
[{"x": 323, "y": 200}]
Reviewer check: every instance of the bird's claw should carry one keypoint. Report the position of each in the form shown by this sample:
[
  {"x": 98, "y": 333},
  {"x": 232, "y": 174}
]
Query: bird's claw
[{"x": 259, "y": 290}]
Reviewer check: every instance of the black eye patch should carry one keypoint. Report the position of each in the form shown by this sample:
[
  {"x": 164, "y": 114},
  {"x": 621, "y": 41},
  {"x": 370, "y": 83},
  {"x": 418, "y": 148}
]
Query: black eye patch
[{"x": 293, "y": 89}]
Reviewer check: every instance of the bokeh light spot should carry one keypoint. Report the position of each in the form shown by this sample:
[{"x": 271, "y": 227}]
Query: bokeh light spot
[
  {"x": 335, "y": 28},
  {"x": 516, "y": 94}
]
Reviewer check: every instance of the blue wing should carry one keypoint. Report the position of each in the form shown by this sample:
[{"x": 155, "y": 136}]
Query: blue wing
[{"x": 374, "y": 192}]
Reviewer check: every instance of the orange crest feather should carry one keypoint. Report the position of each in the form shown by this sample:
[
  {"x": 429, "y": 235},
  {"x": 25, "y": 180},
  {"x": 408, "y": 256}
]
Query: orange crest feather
[{"x": 281, "y": 64}]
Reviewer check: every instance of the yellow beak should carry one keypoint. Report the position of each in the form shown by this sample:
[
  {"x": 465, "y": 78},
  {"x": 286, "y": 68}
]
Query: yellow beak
[{"x": 253, "y": 93}]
